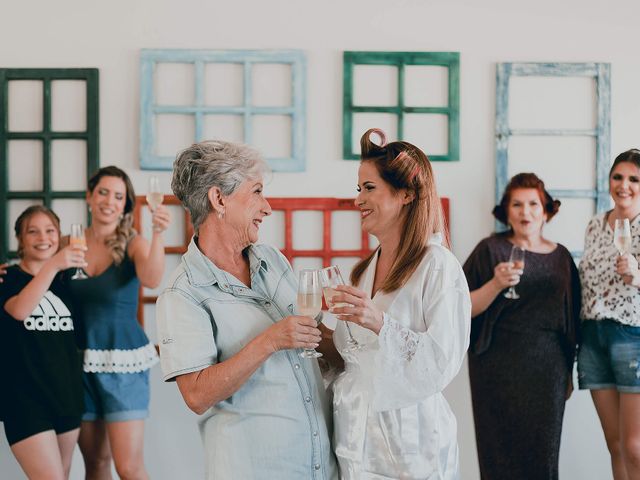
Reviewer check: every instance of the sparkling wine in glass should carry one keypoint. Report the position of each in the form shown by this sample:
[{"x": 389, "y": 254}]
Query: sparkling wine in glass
[
  {"x": 78, "y": 240},
  {"x": 331, "y": 278},
  {"x": 622, "y": 235},
  {"x": 154, "y": 194},
  {"x": 517, "y": 258},
  {"x": 309, "y": 301}
]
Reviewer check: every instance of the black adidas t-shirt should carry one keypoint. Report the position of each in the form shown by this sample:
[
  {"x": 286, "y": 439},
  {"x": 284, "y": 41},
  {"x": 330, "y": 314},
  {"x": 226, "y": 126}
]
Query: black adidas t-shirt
[{"x": 43, "y": 373}]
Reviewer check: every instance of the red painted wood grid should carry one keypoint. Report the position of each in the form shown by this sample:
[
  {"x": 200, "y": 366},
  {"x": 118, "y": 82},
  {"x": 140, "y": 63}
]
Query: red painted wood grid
[{"x": 288, "y": 205}]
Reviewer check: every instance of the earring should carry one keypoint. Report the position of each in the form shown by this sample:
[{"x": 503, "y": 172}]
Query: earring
[
  {"x": 121, "y": 216},
  {"x": 90, "y": 211},
  {"x": 221, "y": 214}
]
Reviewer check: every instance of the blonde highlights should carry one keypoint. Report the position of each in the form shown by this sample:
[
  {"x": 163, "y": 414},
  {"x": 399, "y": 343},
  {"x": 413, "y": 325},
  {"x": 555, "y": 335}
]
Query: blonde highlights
[
  {"x": 404, "y": 166},
  {"x": 117, "y": 242}
]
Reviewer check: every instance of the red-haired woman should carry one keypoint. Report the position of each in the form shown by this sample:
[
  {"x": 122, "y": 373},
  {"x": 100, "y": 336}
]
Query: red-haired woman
[
  {"x": 411, "y": 314},
  {"x": 522, "y": 350}
]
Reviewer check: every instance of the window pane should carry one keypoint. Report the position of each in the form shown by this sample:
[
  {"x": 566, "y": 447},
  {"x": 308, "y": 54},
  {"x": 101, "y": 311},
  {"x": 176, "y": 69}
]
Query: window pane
[
  {"x": 301, "y": 263},
  {"x": 345, "y": 230},
  {"x": 224, "y": 84},
  {"x": 426, "y": 86},
  {"x": 552, "y": 102},
  {"x": 69, "y": 106},
  {"x": 375, "y": 85},
  {"x": 271, "y": 84},
  {"x": 25, "y": 165},
  {"x": 567, "y": 163},
  {"x": 174, "y": 84},
  {"x": 25, "y": 106},
  {"x": 307, "y": 230},
  {"x": 68, "y": 165}
]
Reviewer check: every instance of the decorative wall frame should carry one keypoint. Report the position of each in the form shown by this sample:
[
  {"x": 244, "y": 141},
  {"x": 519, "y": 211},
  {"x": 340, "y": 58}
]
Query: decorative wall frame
[
  {"x": 149, "y": 108},
  {"x": 601, "y": 73},
  {"x": 449, "y": 60},
  {"x": 46, "y": 136}
]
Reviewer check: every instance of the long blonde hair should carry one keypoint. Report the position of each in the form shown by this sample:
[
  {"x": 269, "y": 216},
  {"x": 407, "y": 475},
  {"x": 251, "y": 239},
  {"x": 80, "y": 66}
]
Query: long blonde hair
[
  {"x": 117, "y": 242},
  {"x": 404, "y": 166}
]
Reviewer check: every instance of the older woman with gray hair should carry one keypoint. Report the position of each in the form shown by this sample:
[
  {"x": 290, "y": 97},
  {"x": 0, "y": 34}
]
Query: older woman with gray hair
[{"x": 228, "y": 332}]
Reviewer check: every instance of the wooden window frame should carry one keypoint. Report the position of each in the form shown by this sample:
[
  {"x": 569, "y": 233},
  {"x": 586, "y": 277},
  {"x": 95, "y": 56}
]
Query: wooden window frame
[
  {"x": 601, "y": 73},
  {"x": 149, "y": 160},
  {"x": 450, "y": 60},
  {"x": 46, "y": 136}
]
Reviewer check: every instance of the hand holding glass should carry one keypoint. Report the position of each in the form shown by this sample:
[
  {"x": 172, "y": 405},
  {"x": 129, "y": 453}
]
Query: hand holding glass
[
  {"x": 77, "y": 240},
  {"x": 517, "y": 258},
  {"x": 331, "y": 278},
  {"x": 622, "y": 235},
  {"x": 309, "y": 302}
]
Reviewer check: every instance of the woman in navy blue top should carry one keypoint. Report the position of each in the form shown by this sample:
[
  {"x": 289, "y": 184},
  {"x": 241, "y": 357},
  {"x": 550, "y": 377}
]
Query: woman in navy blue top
[{"x": 117, "y": 354}]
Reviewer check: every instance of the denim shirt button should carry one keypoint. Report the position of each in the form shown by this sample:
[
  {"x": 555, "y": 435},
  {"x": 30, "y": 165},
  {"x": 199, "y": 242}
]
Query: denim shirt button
[
  {"x": 317, "y": 466},
  {"x": 315, "y": 434},
  {"x": 267, "y": 304},
  {"x": 307, "y": 399},
  {"x": 297, "y": 366}
]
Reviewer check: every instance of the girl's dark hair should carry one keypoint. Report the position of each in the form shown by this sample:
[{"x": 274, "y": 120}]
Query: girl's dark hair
[
  {"x": 117, "y": 242},
  {"x": 24, "y": 217},
  {"x": 404, "y": 166},
  {"x": 630, "y": 156},
  {"x": 525, "y": 180}
]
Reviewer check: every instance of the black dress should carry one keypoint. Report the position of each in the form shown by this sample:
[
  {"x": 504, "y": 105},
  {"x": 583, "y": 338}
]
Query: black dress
[{"x": 520, "y": 359}]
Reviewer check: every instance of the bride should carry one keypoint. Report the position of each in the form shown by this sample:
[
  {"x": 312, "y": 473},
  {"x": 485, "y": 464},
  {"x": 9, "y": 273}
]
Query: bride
[{"x": 410, "y": 315}]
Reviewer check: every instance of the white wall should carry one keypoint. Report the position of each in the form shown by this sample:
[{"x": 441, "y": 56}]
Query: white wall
[{"x": 109, "y": 35}]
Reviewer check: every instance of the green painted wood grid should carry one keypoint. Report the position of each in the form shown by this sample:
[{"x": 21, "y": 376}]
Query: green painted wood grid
[
  {"x": 449, "y": 60},
  {"x": 46, "y": 136}
]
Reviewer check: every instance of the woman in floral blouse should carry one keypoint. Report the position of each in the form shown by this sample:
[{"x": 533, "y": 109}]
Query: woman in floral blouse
[{"x": 610, "y": 350}]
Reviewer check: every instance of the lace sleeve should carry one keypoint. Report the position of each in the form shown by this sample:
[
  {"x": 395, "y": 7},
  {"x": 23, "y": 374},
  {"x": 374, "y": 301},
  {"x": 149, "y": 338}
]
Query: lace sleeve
[{"x": 411, "y": 365}]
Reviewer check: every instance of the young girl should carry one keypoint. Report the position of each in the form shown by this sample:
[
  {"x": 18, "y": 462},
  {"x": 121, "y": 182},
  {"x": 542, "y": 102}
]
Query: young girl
[{"x": 42, "y": 394}]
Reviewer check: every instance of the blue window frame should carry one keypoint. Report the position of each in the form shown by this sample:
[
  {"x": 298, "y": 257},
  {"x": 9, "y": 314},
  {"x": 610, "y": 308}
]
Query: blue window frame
[
  {"x": 601, "y": 73},
  {"x": 150, "y": 109}
]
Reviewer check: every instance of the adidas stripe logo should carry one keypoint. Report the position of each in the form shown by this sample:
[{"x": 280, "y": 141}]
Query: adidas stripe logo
[{"x": 51, "y": 315}]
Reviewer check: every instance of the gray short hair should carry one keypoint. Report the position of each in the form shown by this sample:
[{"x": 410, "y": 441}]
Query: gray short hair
[{"x": 213, "y": 163}]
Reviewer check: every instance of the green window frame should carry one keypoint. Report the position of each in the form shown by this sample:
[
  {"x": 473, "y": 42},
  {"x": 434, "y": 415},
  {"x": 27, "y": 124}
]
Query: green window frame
[
  {"x": 91, "y": 136},
  {"x": 450, "y": 60}
]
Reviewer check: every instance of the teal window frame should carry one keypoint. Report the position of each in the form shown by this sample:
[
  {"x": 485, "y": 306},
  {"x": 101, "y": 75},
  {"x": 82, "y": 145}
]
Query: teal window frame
[
  {"x": 450, "y": 60},
  {"x": 601, "y": 73},
  {"x": 149, "y": 58},
  {"x": 46, "y": 136}
]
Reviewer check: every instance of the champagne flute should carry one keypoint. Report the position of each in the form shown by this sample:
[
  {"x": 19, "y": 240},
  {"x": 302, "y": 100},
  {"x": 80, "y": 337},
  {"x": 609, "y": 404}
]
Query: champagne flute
[
  {"x": 154, "y": 194},
  {"x": 78, "y": 240},
  {"x": 517, "y": 258},
  {"x": 309, "y": 302},
  {"x": 622, "y": 235},
  {"x": 331, "y": 278}
]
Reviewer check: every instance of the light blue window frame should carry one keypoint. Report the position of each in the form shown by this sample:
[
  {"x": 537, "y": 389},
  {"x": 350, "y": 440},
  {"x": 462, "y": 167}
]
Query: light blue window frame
[
  {"x": 601, "y": 73},
  {"x": 149, "y": 160}
]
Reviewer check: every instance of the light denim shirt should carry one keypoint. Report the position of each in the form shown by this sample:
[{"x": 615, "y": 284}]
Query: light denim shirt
[{"x": 277, "y": 425}]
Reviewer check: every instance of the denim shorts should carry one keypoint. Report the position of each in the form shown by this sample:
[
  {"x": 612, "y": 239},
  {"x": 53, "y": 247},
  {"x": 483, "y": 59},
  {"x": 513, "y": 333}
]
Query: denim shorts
[
  {"x": 609, "y": 356},
  {"x": 116, "y": 397}
]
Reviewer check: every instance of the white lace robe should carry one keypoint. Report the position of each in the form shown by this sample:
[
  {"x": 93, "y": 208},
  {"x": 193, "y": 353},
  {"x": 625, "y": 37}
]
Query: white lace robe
[{"x": 390, "y": 417}]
